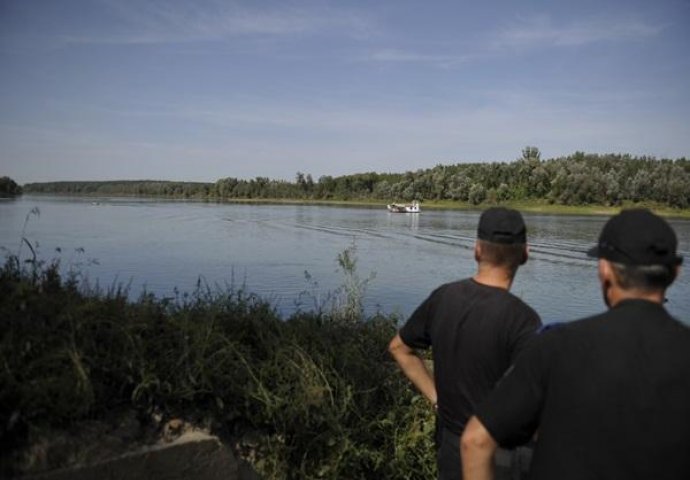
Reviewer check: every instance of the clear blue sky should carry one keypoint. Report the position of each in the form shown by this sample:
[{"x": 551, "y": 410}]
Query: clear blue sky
[{"x": 204, "y": 89}]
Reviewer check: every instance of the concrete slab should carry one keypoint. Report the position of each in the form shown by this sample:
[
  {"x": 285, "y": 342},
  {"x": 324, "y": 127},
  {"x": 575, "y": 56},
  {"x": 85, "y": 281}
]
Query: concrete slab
[{"x": 193, "y": 456}]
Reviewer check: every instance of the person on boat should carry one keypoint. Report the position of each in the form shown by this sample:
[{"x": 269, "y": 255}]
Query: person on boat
[
  {"x": 609, "y": 394},
  {"x": 475, "y": 328}
]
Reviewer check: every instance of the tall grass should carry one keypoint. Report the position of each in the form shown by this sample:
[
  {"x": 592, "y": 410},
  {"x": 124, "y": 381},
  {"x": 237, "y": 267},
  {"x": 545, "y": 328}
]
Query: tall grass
[{"x": 311, "y": 396}]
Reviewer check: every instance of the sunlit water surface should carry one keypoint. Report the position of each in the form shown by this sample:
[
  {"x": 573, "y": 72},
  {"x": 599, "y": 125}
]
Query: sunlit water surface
[{"x": 288, "y": 253}]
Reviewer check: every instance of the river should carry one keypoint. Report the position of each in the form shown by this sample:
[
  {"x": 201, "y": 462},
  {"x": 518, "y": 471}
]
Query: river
[{"x": 288, "y": 253}]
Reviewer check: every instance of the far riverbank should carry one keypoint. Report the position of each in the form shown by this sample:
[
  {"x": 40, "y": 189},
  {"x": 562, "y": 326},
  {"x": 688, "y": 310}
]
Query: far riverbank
[{"x": 531, "y": 206}]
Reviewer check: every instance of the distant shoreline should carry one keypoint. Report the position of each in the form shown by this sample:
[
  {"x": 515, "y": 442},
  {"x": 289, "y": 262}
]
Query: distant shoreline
[
  {"x": 527, "y": 206},
  {"x": 579, "y": 184}
]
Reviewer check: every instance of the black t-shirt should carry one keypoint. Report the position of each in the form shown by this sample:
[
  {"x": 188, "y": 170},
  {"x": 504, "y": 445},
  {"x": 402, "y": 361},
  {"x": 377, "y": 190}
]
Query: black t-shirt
[
  {"x": 609, "y": 395},
  {"x": 475, "y": 332}
]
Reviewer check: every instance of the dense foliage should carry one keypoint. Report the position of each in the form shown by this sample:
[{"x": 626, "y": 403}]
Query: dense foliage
[
  {"x": 579, "y": 179},
  {"x": 9, "y": 188},
  {"x": 312, "y": 396},
  {"x": 125, "y": 187}
]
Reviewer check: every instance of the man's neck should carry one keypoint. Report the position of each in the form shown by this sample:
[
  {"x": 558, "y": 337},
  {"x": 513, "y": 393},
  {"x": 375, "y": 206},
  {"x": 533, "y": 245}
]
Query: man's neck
[
  {"x": 493, "y": 276},
  {"x": 617, "y": 295}
]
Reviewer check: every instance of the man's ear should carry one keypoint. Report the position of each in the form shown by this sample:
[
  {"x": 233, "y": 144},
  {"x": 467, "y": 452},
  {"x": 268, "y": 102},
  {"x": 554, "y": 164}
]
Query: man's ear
[
  {"x": 606, "y": 275},
  {"x": 525, "y": 255},
  {"x": 477, "y": 251},
  {"x": 601, "y": 269},
  {"x": 607, "y": 279}
]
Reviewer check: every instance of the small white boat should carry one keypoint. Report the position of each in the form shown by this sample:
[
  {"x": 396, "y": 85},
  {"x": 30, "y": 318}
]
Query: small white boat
[{"x": 404, "y": 207}]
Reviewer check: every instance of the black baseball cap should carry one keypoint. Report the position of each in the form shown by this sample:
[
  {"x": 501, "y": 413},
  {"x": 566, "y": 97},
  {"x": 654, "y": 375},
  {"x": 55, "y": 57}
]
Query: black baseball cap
[
  {"x": 637, "y": 237},
  {"x": 502, "y": 225}
]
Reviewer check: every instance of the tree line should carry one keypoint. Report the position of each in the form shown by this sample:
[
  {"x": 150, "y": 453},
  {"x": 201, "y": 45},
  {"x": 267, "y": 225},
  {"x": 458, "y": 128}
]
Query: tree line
[
  {"x": 125, "y": 187},
  {"x": 9, "y": 188},
  {"x": 578, "y": 179}
]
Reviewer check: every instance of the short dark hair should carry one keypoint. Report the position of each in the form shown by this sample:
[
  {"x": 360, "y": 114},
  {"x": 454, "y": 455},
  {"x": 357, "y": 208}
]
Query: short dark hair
[
  {"x": 644, "y": 277},
  {"x": 502, "y": 254}
]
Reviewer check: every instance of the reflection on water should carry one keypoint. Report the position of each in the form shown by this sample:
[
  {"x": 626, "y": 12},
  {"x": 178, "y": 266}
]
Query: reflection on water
[
  {"x": 283, "y": 251},
  {"x": 409, "y": 220}
]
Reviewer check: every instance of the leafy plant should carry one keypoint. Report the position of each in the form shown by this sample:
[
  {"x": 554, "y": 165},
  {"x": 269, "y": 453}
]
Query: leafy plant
[{"x": 311, "y": 396}]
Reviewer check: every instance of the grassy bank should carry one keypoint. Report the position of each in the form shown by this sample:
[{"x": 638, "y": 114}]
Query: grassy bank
[
  {"x": 542, "y": 206},
  {"x": 531, "y": 206},
  {"x": 311, "y": 396}
]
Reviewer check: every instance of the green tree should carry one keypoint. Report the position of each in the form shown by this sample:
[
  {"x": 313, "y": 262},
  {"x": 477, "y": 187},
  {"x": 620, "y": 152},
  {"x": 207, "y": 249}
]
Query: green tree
[
  {"x": 531, "y": 153},
  {"x": 9, "y": 188},
  {"x": 477, "y": 194}
]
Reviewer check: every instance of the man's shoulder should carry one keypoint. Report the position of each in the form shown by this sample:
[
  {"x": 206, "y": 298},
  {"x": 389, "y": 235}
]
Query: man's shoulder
[
  {"x": 618, "y": 318},
  {"x": 564, "y": 335},
  {"x": 515, "y": 307},
  {"x": 517, "y": 301},
  {"x": 454, "y": 287},
  {"x": 581, "y": 326},
  {"x": 496, "y": 302},
  {"x": 469, "y": 286},
  {"x": 461, "y": 283}
]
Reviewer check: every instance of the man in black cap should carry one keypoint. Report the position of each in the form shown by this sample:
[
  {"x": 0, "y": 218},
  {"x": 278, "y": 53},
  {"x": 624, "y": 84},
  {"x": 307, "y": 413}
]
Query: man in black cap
[
  {"x": 475, "y": 328},
  {"x": 609, "y": 394}
]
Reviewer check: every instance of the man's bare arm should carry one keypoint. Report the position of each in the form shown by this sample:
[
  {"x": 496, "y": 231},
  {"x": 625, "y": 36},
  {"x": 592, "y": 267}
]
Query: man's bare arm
[
  {"x": 477, "y": 448},
  {"x": 414, "y": 368}
]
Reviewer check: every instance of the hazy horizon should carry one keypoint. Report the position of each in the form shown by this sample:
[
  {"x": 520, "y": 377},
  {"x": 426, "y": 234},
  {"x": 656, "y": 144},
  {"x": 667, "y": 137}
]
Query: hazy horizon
[{"x": 197, "y": 91}]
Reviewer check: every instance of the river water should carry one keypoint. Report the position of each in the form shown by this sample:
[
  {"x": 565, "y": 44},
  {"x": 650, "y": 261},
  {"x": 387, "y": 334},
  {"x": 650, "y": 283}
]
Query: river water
[{"x": 288, "y": 253}]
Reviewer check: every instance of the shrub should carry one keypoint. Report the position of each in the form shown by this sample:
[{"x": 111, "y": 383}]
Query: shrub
[{"x": 311, "y": 396}]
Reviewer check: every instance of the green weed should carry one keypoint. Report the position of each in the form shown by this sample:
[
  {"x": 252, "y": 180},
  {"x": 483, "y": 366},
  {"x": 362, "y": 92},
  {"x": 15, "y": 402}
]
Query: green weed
[{"x": 311, "y": 396}]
